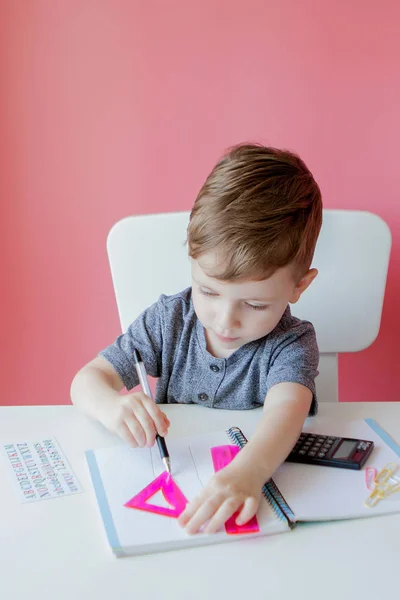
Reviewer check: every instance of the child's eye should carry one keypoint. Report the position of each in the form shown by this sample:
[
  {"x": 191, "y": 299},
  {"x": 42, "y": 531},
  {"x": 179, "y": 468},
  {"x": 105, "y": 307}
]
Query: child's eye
[
  {"x": 207, "y": 293},
  {"x": 257, "y": 306}
]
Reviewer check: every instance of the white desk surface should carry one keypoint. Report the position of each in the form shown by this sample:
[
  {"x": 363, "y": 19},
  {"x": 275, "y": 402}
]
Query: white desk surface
[{"x": 58, "y": 549}]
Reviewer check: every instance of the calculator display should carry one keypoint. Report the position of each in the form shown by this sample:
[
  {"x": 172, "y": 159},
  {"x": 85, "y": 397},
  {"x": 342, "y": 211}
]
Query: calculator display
[{"x": 345, "y": 449}]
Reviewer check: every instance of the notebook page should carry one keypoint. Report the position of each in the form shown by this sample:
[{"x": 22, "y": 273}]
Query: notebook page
[
  {"x": 317, "y": 493},
  {"x": 124, "y": 472}
]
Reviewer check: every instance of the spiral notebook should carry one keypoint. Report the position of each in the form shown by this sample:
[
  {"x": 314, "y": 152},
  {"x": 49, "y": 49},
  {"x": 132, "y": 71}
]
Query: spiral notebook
[{"x": 295, "y": 493}]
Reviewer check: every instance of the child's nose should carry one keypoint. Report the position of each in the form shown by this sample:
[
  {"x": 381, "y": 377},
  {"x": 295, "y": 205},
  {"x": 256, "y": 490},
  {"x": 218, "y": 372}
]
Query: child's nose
[{"x": 227, "y": 319}]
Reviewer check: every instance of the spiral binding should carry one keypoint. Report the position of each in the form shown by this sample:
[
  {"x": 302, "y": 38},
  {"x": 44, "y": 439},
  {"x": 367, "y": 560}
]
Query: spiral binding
[{"x": 270, "y": 490}]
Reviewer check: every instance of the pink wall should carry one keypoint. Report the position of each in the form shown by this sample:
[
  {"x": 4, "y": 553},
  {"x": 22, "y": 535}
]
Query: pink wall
[{"x": 111, "y": 107}]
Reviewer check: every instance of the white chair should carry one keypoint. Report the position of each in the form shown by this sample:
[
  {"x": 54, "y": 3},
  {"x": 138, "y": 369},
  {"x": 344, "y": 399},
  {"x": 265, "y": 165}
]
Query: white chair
[{"x": 148, "y": 257}]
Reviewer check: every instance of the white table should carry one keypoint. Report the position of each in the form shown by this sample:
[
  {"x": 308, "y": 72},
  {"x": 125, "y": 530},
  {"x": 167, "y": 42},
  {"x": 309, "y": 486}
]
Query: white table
[{"x": 58, "y": 548}]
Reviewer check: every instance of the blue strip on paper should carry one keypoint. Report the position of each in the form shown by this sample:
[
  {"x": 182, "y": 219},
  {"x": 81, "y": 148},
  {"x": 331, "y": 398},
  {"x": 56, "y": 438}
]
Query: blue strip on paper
[
  {"x": 103, "y": 504},
  {"x": 384, "y": 435}
]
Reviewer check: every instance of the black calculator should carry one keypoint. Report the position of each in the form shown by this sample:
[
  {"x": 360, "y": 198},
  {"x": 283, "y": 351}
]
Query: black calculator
[{"x": 330, "y": 451}]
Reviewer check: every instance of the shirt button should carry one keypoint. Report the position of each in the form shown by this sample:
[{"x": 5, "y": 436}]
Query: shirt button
[
  {"x": 202, "y": 396},
  {"x": 214, "y": 368}
]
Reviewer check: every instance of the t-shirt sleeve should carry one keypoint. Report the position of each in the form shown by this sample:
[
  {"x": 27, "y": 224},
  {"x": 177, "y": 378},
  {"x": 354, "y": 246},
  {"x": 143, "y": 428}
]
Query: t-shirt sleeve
[
  {"x": 144, "y": 334},
  {"x": 295, "y": 359}
]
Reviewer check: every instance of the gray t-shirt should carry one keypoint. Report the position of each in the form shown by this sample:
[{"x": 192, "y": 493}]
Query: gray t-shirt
[{"x": 172, "y": 343}]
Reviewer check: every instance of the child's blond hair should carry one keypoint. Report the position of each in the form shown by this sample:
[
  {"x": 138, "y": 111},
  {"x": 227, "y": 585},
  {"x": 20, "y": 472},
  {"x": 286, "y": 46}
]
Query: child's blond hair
[{"x": 260, "y": 209}]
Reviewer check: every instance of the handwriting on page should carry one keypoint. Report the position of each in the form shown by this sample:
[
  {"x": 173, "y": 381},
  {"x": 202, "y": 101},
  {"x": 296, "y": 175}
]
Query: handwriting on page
[
  {"x": 40, "y": 470},
  {"x": 222, "y": 456}
]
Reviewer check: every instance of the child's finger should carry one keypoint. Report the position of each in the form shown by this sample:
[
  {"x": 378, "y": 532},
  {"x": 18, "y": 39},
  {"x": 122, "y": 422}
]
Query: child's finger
[
  {"x": 190, "y": 510},
  {"x": 127, "y": 436},
  {"x": 147, "y": 424},
  {"x": 157, "y": 415},
  {"x": 225, "y": 511},
  {"x": 203, "y": 514},
  {"x": 136, "y": 430},
  {"x": 248, "y": 511}
]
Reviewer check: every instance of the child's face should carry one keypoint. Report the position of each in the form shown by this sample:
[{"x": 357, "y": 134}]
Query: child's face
[{"x": 235, "y": 313}]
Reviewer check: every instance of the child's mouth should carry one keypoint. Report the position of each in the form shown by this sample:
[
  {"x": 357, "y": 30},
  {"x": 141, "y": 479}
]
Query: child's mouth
[{"x": 226, "y": 339}]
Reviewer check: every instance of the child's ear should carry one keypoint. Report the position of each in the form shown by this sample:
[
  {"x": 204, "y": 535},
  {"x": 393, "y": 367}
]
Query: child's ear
[{"x": 303, "y": 284}]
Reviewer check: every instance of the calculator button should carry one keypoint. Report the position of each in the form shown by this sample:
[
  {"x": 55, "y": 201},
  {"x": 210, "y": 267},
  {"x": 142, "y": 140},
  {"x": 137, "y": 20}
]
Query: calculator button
[
  {"x": 321, "y": 454},
  {"x": 321, "y": 439},
  {"x": 302, "y": 452},
  {"x": 311, "y": 453}
]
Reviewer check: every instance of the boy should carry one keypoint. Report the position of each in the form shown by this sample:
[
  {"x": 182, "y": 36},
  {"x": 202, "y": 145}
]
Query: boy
[{"x": 229, "y": 341}]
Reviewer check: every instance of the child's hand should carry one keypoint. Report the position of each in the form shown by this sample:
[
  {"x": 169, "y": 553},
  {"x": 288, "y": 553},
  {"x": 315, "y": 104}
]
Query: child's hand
[
  {"x": 136, "y": 418},
  {"x": 229, "y": 490}
]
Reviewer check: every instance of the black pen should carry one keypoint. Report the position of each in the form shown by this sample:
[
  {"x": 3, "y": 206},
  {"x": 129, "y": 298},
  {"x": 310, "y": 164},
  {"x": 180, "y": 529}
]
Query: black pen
[{"x": 141, "y": 371}]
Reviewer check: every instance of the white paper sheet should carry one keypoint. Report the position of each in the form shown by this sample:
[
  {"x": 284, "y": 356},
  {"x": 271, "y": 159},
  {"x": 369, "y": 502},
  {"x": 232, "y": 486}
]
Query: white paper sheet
[
  {"x": 317, "y": 493},
  {"x": 120, "y": 473}
]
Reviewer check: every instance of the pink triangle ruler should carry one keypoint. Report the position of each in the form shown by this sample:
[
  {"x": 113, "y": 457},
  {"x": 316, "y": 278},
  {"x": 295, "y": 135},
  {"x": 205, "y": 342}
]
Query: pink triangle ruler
[
  {"x": 170, "y": 491},
  {"x": 222, "y": 456}
]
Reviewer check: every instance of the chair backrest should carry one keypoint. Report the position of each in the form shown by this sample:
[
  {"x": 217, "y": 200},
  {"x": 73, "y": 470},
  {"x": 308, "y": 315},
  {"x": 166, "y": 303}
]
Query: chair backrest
[{"x": 148, "y": 257}]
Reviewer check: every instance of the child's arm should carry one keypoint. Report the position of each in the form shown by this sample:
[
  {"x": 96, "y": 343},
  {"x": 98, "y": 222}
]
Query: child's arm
[
  {"x": 239, "y": 484},
  {"x": 134, "y": 417}
]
